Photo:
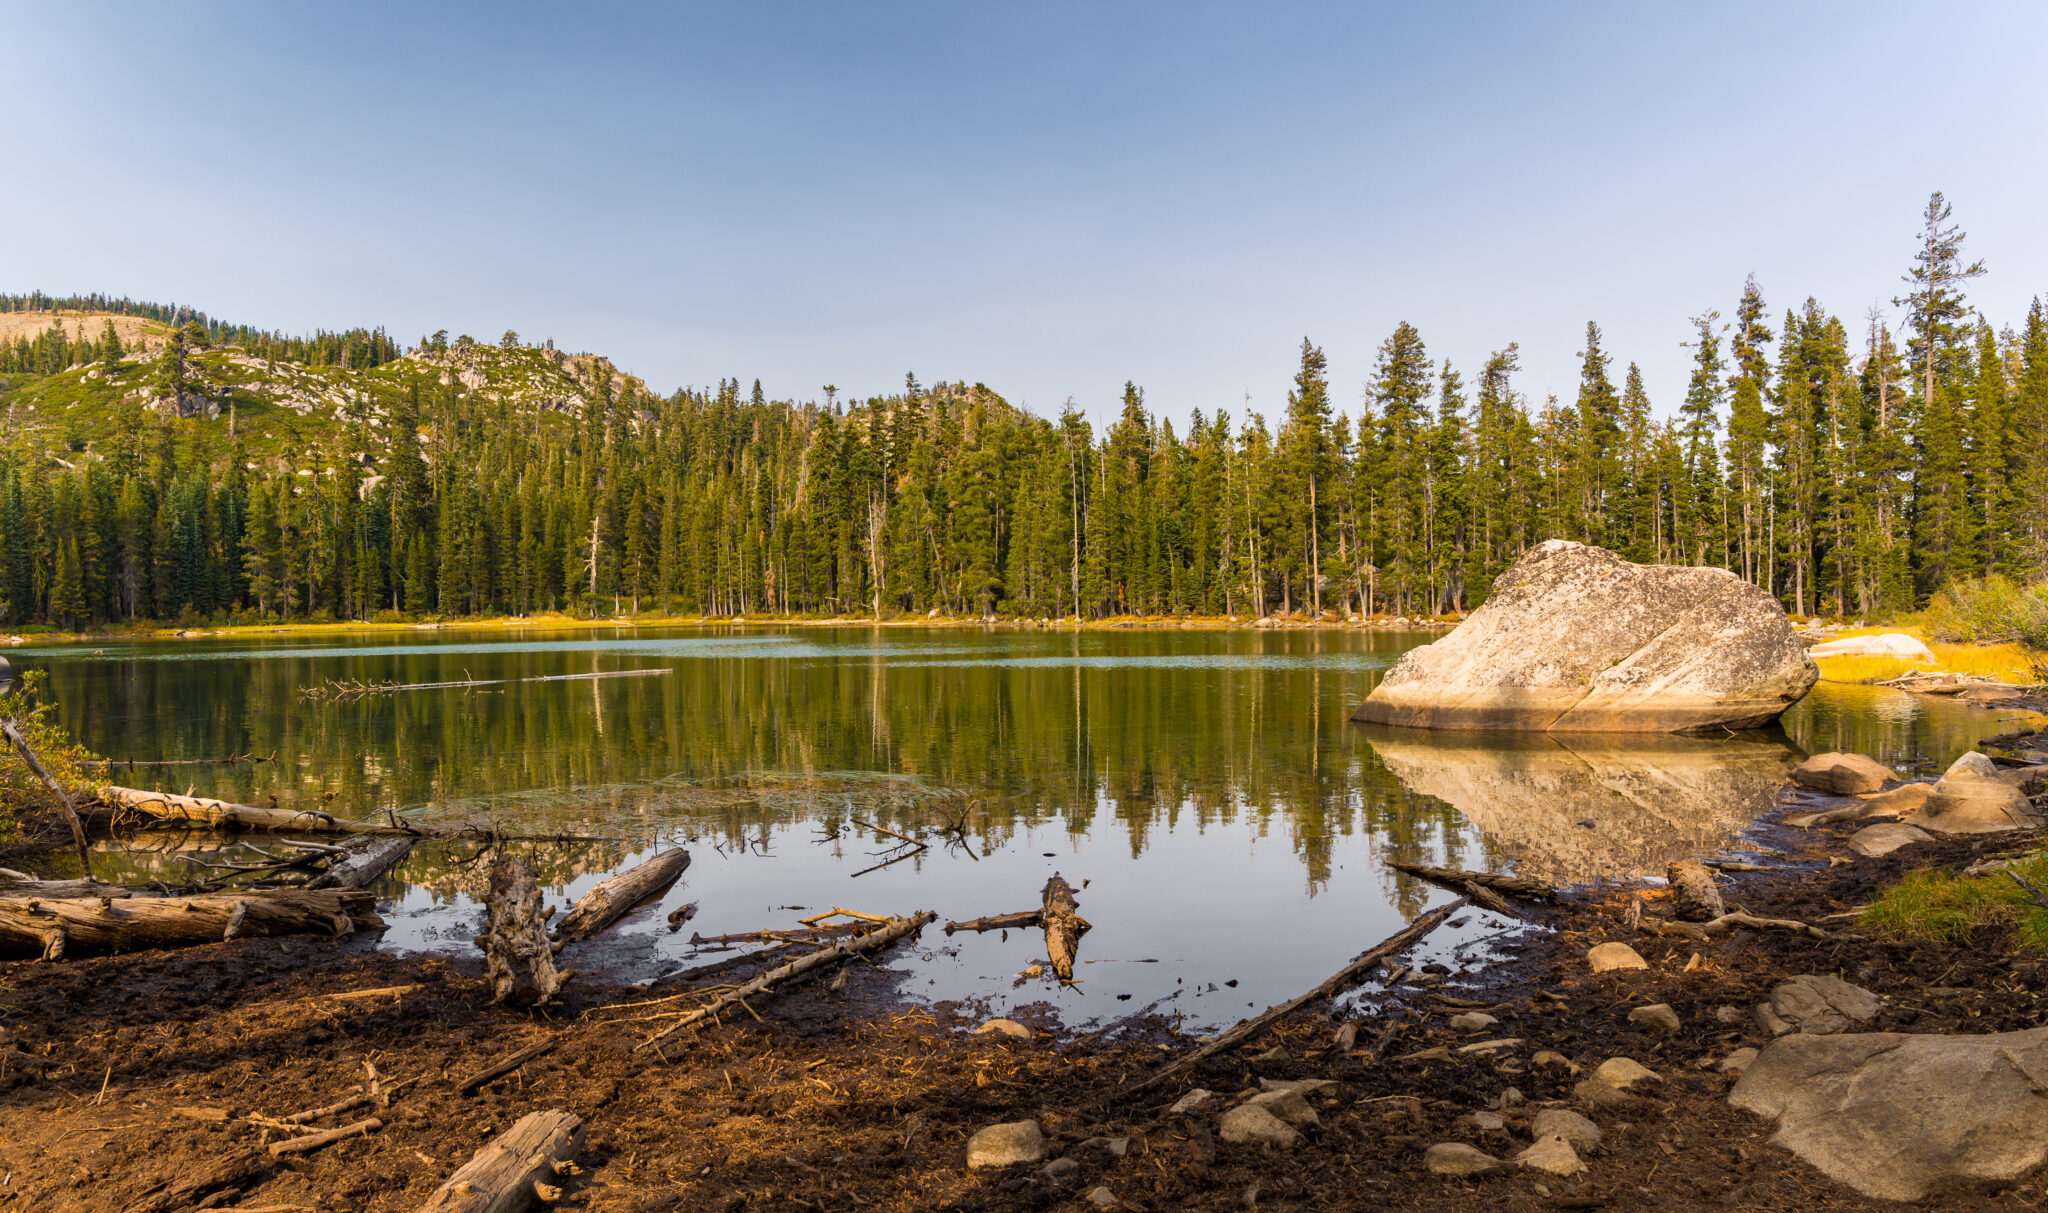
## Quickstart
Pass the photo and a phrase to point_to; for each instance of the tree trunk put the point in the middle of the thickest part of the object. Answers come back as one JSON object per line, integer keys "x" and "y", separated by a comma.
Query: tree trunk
{"x": 602, "y": 905}
{"x": 1063, "y": 925}
{"x": 516, "y": 1170}
{"x": 58, "y": 926}
{"x": 167, "y": 806}
{"x": 518, "y": 958}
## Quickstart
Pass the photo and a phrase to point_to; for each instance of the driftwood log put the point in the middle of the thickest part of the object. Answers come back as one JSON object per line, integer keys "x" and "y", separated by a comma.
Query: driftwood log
{"x": 60, "y": 926}
{"x": 508, "y": 1063}
{"x": 519, "y": 959}
{"x": 869, "y": 941}
{"x": 997, "y": 922}
{"x": 1499, "y": 882}
{"x": 1694, "y": 895}
{"x": 1393, "y": 944}
{"x": 70, "y": 888}
{"x": 221, "y": 814}
{"x": 1064, "y": 926}
{"x": 604, "y": 904}
{"x": 520, "y": 1167}
{"x": 362, "y": 862}
{"x": 1702, "y": 932}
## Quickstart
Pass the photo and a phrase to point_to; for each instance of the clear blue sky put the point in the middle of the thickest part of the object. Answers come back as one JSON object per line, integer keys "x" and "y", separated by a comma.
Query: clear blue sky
{"x": 1050, "y": 199}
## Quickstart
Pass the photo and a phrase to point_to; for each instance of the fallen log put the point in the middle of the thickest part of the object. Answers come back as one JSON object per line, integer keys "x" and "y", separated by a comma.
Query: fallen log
{"x": 1500, "y": 882}
{"x": 1702, "y": 932}
{"x": 784, "y": 935}
{"x": 1397, "y": 942}
{"x": 326, "y": 1137}
{"x": 14, "y": 737}
{"x": 200, "y": 810}
{"x": 204, "y": 1187}
{"x": 71, "y": 888}
{"x": 58, "y": 926}
{"x": 361, "y": 863}
{"x": 519, "y": 959}
{"x": 868, "y": 941}
{"x": 604, "y": 904}
{"x": 997, "y": 922}
{"x": 508, "y": 1063}
{"x": 519, "y": 1167}
{"x": 1694, "y": 895}
{"x": 1063, "y": 925}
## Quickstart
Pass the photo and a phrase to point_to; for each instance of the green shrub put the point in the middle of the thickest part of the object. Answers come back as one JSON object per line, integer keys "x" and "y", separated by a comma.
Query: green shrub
{"x": 1991, "y": 610}
{"x": 23, "y": 797}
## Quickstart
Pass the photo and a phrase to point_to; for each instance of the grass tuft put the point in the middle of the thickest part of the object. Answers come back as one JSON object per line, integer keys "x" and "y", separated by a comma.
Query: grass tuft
{"x": 1945, "y": 906}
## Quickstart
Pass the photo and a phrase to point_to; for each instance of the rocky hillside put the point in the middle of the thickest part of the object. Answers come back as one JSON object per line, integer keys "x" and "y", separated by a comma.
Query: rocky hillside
{"x": 285, "y": 408}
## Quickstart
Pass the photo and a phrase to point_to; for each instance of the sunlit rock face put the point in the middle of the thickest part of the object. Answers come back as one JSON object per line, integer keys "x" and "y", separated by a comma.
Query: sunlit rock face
{"x": 1649, "y": 800}
{"x": 1575, "y": 639}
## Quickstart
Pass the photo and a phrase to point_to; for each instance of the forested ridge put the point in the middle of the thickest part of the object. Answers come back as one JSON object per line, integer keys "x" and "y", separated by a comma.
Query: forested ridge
{"x": 220, "y": 472}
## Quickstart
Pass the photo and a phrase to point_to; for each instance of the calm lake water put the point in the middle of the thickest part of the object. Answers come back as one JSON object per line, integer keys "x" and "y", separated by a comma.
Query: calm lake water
{"x": 1231, "y": 825}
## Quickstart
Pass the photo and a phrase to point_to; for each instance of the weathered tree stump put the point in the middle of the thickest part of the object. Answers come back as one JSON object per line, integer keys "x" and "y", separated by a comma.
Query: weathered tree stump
{"x": 604, "y": 904}
{"x": 1063, "y": 925}
{"x": 519, "y": 958}
{"x": 1694, "y": 895}
{"x": 518, "y": 1169}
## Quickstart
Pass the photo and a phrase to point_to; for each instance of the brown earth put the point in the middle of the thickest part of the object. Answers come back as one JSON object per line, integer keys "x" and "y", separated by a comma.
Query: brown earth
{"x": 121, "y": 1075}
{"x": 134, "y": 331}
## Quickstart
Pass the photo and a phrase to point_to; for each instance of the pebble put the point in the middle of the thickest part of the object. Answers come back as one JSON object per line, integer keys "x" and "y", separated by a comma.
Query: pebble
{"x": 1004, "y": 1027}
{"x": 1117, "y": 1147}
{"x": 1737, "y": 1062}
{"x": 1305, "y": 1086}
{"x": 1486, "y": 1122}
{"x": 1553, "y": 1155}
{"x": 1060, "y": 1168}
{"x": 1729, "y": 1016}
{"x": 1560, "y": 1122}
{"x": 1457, "y": 1158}
{"x": 1003, "y": 1144}
{"x": 1548, "y": 1057}
{"x": 1658, "y": 1016}
{"x": 1609, "y": 957}
{"x": 1473, "y": 1021}
{"x": 1346, "y": 1038}
{"x": 1621, "y": 1073}
{"x": 1103, "y": 1198}
{"x": 1194, "y": 1102}
{"x": 1276, "y": 1053}
{"x": 1491, "y": 1046}
{"x": 1254, "y": 1125}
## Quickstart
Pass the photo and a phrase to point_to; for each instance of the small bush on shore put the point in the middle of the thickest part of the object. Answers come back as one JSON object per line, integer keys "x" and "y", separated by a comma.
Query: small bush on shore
{"x": 1946, "y": 906}
{"x": 1991, "y": 610}
{"x": 23, "y": 797}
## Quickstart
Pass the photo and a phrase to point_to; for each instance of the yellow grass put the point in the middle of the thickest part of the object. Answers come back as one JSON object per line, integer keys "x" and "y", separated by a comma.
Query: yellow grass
{"x": 2005, "y": 662}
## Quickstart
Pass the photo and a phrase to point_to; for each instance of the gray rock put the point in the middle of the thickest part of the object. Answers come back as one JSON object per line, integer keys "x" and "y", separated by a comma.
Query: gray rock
{"x": 1562, "y": 1122}
{"x": 1289, "y": 1106}
{"x": 1737, "y": 1062}
{"x": 1817, "y": 1005}
{"x": 1903, "y": 1117}
{"x": 1901, "y": 801}
{"x": 1115, "y": 1147}
{"x": 1729, "y": 1016}
{"x": 1486, "y": 1122}
{"x": 1103, "y": 1198}
{"x": 1060, "y": 1168}
{"x": 1843, "y": 774}
{"x": 1658, "y": 1017}
{"x": 1551, "y": 1058}
{"x": 1304, "y": 1086}
{"x": 1970, "y": 798}
{"x": 1346, "y": 1038}
{"x": 1251, "y": 1124}
{"x": 1576, "y": 639}
{"x": 1195, "y": 1102}
{"x": 1886, "y": 837}
{"x": 1473, "y": 1021}
{"x": 1276, "y": 1053}
{"x": 1004, "y": 1027}
{"x": 1553, "y": 1155}
{"x": 1004, "y": 1144}
{"x": 1457, "y": 1158}
{"x": 1621, "y": 1073}
{"x": 1609, "y": 957}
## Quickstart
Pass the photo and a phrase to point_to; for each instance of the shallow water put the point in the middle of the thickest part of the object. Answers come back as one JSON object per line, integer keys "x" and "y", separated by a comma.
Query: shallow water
{"x": 1230, "y": 824}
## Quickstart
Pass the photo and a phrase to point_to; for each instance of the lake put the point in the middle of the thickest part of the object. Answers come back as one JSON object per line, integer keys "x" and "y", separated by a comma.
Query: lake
{"x": 1227, "y": 827}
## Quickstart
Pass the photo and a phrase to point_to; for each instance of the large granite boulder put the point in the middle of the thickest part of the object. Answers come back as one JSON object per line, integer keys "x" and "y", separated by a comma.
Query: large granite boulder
{"x": 1905, "y": 1117}
{"x": 1575, "y": 639}
{"x": 1972, "y": 798}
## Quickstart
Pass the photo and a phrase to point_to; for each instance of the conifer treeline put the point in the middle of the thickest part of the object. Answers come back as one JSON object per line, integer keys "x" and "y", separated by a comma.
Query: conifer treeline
{"x": 1853, "y": 473}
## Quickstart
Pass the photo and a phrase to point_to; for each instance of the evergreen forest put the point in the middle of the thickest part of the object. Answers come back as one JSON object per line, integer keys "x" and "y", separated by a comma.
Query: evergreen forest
{"x": 199, "y": 471}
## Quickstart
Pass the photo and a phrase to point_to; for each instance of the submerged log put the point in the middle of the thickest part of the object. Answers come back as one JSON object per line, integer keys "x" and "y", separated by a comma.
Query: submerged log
{"x": 200, "y": 810}
{"x": 58, "y": 926}
{"x": 604, "y": 904}
{"x": 519, "y": 960}
{"x": 880, "y": 937}
{"x": 361, "y": 863}
{"x": 1397, "y": 942}
{"x": 997, "y": 922}
{"x": 71, "y": 888}
{"x": 1457, "y": 878}
{"x": 1063, "y": 925}
{"x": 521, "y": 1166}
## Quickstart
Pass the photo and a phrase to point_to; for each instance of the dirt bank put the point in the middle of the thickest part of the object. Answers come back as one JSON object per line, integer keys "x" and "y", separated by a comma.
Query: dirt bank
{"x": 122, "y": 1075}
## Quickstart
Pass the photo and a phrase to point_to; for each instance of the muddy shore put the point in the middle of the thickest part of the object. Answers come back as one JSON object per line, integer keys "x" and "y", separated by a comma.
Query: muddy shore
{"x": 121, "y": 1077}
